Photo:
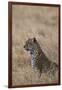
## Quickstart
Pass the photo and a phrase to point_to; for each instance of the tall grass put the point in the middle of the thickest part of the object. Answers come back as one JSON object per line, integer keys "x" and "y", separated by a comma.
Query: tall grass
{"x": 28, "y": 22}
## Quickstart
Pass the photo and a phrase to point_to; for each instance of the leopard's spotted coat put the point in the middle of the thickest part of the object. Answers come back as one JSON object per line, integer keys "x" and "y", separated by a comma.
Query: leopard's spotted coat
{"x": 39, "y": 59}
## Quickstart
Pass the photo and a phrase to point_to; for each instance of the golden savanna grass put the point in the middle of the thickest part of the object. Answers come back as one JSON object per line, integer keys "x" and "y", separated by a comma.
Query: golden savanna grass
{"x": 33, "y": 21}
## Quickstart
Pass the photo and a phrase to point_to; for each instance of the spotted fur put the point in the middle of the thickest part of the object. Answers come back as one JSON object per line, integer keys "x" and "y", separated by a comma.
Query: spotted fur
{"x": 39, "y": 59}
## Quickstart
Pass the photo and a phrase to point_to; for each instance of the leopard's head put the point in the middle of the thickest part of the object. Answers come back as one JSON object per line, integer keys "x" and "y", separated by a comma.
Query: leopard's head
{"x": 30, "y": 45}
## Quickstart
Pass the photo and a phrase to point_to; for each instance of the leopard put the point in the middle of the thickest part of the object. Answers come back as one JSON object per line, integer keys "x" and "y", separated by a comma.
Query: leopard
{"x": 38, "y": 58}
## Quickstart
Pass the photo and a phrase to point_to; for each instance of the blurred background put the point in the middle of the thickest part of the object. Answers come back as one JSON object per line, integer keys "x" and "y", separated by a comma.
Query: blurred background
{"x": 40, "y": 22}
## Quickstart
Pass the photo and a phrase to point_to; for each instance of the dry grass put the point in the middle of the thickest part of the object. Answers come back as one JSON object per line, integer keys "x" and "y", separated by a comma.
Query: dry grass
{"x": 28, "y": 22}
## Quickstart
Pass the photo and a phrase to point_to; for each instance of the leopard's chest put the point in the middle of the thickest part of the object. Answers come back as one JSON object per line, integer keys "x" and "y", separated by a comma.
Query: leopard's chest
{"x": 34, "y": 58}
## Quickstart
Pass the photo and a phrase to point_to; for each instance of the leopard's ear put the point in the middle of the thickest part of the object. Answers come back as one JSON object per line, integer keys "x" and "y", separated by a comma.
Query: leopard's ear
{"x": 34, "y": 39}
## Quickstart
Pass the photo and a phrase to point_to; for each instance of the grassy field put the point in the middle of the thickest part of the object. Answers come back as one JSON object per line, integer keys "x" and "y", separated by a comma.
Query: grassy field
{"x": 28, "y": 22}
